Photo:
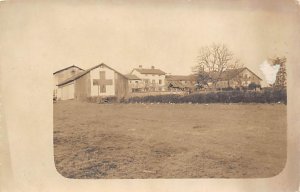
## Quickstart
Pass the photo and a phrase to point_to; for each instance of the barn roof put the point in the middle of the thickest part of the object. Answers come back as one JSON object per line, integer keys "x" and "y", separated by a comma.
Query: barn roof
{"x": 132, "y": 77}
{"x": 82, "y": 73}
{"x": 230, "y": 74}
{"x": 67, "y": 69}
{"x": 150, "y": 71}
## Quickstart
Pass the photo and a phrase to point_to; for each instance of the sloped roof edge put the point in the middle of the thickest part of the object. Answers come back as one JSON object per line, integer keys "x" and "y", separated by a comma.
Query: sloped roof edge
{"x": 132, "y": 77}
{"x": 149, "y": 71}
{"x": 232, "y": 73}
{"x": 67, "y": 68}
{"x": 78, "y": 75}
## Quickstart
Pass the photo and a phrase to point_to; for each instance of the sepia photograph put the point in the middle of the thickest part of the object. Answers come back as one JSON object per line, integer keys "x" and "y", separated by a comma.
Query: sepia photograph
{"x": 147, "y": 95}
{"x": 174, "y": 92}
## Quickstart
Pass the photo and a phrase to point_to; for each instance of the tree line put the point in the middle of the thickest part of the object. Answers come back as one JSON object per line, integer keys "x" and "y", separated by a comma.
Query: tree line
{"x": 217, "y": 58}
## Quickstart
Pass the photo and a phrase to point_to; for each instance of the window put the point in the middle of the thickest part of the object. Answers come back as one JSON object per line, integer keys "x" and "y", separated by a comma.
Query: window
{"x": 153, "y": 80}
{"x": 136, "y": 82}
{"x": 160, "y": 81}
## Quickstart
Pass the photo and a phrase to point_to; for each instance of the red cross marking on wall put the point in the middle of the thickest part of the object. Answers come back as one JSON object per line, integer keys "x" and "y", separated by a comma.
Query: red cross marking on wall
{"x": 102, "y": 82}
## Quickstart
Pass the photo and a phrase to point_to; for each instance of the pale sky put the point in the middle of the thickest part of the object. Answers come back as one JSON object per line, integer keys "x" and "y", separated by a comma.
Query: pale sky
{"x": 166, "y": 34}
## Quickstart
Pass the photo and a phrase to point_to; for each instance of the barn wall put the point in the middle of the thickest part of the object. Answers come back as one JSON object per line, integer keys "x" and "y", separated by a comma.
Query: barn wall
{"x": 222, "y": 84}
{"x": 121, "y": 86}
{"x": 83, "y": 87}
{"x": 243, "y": 79}
{"x": 61, "y": 76}
{"x": 246, "y": 77}
{"x": 234, "y": 83}
{"x": 66, "y": 91}
{"x": 95, "y": 74}
{"x": 251, "y": 77}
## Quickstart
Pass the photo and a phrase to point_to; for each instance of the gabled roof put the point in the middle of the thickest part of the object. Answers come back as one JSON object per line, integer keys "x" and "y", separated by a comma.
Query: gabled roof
{"x": 253, "y": 73}
{"x": 82, "y": 73}
{"x": 181, "y": 77}
{"x": 150, "y": 71}
{"x": 67, "y": 69}
{"x": 230, "y": 74}
{"x": 132, "y": 77}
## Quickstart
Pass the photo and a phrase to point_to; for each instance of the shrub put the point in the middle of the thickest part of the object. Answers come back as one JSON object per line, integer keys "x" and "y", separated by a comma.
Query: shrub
{"x": 253, "y": 86}
{"x": 228, "y": 89}
{"x": 102, "y": 99}
{"x": 235, "y": 96}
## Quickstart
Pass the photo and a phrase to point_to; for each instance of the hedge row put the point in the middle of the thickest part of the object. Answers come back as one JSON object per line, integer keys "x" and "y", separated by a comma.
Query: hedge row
{"x": 266, "y": 96}
{"x": 102, "y": 99}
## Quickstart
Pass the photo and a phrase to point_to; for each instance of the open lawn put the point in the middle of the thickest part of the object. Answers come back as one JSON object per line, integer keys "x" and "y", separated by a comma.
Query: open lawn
{"x": 169, "y": 141}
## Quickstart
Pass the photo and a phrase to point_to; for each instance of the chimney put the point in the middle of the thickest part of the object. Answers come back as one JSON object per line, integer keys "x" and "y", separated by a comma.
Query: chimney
{"x": 140, "y": 66}
{"x": 152, "y": 67}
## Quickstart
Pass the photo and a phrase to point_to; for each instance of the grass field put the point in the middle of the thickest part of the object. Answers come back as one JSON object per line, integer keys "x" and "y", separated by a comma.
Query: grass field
{"x": 169, "y": 141}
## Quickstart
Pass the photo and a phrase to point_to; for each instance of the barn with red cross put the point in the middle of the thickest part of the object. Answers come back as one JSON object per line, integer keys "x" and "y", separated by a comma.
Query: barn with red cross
{"x": 98, "y": 81}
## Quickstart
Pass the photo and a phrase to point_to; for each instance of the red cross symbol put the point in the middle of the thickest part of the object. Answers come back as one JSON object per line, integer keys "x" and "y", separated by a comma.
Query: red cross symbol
{"x": 102, "y": 82}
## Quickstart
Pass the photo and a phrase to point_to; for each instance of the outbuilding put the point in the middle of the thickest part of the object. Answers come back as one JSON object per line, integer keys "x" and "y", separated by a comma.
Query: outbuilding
{"x": 63, "y": 74}
{"x": 98, "y": 81}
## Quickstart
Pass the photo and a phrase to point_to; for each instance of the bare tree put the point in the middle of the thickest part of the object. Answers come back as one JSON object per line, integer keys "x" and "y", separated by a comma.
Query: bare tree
{"x": 215, "y": 59}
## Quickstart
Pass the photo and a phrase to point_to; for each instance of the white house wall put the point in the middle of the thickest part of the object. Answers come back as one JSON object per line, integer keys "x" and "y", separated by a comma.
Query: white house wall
{"x": 109, "y": 74}
{"x": 151, "y": 77}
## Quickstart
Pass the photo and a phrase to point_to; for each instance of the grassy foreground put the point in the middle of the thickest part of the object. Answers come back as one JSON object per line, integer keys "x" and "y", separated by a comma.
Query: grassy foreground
{"x": 169, "y": 140}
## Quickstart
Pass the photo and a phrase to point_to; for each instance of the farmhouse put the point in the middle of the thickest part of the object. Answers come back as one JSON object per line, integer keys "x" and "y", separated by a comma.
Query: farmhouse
{"x": 100, "y": 80}
{"x": 153, "y": 79}
{"x": 181, "y": 82}
{"x": 234, "y": 78}
{"x": 63, "y": 74}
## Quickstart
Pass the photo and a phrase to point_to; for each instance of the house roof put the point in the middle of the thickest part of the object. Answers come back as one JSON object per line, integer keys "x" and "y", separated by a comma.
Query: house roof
{"x": 230, "y": 74}
{"x": 67, "y": 69}
{"x": 150, "y": 71}
{"x": 132, "y": 77}
{"x": 181, "y": 77}
{"x": 82, "y": 73}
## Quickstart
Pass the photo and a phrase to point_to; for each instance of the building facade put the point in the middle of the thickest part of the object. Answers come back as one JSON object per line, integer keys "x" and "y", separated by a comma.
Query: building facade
{"x": 98, "y": 81}
{"x": 153, "y": 79}
{"x": 181, "y": 82}
{"x": 62, "y": 75}
{"x": 235, "y": 78}
{"x": 104, "y": 81}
